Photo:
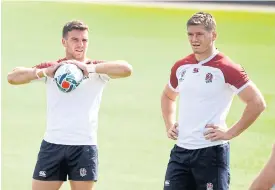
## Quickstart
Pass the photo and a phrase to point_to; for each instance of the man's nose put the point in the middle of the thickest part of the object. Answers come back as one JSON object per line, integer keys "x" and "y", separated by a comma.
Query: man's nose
{"x": 80, "y": 43}
{"x": 194, "y": 38}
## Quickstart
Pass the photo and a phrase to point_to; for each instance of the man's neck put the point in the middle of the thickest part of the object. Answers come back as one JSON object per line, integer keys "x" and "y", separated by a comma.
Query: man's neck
{"x": 206, "y": 54}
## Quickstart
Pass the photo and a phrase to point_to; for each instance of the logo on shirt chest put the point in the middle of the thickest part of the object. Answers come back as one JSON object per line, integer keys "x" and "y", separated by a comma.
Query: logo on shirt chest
{"x": 195, "y": 70}
{"x": 208, "y": 77}
{"x": 182, "y": 75}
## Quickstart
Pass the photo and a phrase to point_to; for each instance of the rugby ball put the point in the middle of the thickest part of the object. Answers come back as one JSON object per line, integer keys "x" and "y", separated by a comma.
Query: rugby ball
{"x": 67, "y": 77}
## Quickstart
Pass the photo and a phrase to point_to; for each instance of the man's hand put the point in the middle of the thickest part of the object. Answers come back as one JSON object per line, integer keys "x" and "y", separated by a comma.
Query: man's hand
{"x": 172, "y": 133}
{"x": 50, "y": 71}
{"x": 81, "y": 65}
{"x": 215, "y": 133}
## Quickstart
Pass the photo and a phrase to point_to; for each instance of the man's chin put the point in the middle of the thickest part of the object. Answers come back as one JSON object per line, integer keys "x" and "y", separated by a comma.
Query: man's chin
{"x": 78, "y": 57}
{"x": 197, "y": 51}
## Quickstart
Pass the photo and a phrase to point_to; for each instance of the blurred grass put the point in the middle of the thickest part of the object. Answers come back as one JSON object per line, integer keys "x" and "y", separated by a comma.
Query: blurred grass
{"x": 133, "y": 146}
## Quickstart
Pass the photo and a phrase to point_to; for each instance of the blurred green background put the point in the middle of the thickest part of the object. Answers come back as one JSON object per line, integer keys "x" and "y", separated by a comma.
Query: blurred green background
{"x": 133, "y": 147}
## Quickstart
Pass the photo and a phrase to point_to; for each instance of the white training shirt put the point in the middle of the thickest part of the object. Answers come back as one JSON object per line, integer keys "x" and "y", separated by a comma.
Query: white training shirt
{"x": 72, "y": 118}
{"x": 206, "y": 90}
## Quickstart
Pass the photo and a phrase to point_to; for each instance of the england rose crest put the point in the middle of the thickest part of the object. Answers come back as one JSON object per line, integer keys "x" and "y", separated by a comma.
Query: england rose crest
{"x": 209, "y": 77}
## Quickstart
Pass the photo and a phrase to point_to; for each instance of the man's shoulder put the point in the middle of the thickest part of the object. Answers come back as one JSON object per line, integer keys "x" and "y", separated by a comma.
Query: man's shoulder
{"x": 223, "y": 60}
{"x": 87, "y": 61}
{"x": 189, "y": 59}
{"x": 230, "y": 69}
{"x": 45, "y": 64}
{"x": 60, "y": 60}
{"x": 94, "y": 61}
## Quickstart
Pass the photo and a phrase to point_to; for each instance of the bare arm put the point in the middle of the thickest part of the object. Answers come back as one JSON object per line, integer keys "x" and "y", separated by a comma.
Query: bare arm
{"x": 114, "y": 69}
{"x": 22, "y": 75}
{"x": 255, "y": 105}
{"x": 168, "y": 107}
{"x": 266, "y": 178}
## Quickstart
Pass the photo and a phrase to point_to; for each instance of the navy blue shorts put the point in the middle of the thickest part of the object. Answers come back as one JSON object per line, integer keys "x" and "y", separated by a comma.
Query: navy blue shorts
{"x": 200, "y": 169}
{"x": 57, "y": 162}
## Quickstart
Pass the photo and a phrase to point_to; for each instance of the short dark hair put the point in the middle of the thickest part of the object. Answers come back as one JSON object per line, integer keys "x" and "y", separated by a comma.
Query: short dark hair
{"x": 74, "y": 25}
{"x": 202, "y": 18}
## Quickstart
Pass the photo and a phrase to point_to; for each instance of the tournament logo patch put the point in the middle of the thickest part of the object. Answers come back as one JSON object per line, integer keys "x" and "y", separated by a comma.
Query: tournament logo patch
{"x": 195, "y": 70}
{"x": 209, "y": 77}
{"x": 182, "y": 74}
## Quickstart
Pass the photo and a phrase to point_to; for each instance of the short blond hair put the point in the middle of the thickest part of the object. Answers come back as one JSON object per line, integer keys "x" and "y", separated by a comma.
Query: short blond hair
{"x": 203, "y": 18}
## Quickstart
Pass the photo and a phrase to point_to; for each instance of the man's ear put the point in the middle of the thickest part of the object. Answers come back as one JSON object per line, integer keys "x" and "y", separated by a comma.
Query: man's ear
{"x": 214, "y": 35}
{"x": 64, "y": 42}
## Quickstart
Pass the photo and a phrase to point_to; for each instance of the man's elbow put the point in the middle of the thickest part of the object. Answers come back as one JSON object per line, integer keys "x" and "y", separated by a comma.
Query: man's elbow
{"x": 14, "y": 79}
{"x": 11, "y": 79}
{"x": 127, "y": 70}
{"x": 261, "y": 105}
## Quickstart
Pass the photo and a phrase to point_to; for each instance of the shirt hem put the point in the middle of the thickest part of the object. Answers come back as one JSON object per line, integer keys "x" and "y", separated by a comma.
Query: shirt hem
{"x": 194, "y": 147}
{"x": 69, "y": 143}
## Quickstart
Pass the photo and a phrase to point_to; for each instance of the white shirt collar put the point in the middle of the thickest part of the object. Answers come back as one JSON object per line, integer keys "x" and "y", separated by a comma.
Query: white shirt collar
{"x": 209, "y": 58}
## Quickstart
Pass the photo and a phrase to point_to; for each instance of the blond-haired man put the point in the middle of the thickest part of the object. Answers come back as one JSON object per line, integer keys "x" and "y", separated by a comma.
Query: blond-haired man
{"x": 206, "y": 82}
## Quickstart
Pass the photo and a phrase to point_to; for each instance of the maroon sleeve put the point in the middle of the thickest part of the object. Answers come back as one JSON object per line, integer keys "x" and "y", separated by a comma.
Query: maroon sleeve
{"x": 173, "y": 82}
{"x": 235, "y": 75}
{"x": 48, "y": 63}
{"x": 94, "y": 61}
{"x": 173, "y": 77}
{"x": 44, "y": 65}
{"x": 98, "y": 61}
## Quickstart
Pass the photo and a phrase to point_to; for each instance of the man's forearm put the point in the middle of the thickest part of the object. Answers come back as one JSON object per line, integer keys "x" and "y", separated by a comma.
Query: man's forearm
{"x": 168, "y": 108}
{"x": 266, "y": 178}
{"x": 23, "y": 75}
{"x": 250, "y": 114}
{"x": 113, "y": 69}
